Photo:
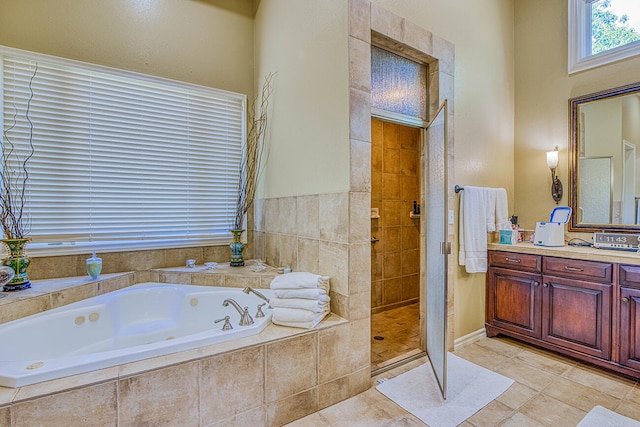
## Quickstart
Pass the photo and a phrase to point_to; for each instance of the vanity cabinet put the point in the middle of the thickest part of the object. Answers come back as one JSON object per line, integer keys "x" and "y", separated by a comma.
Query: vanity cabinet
{"x": 588, "y": 310}
{"x": 514, "y": 293}
{"x": 576, "y": 305}
{"x": 560, "y": 301}
{"x": 629, "y": 277}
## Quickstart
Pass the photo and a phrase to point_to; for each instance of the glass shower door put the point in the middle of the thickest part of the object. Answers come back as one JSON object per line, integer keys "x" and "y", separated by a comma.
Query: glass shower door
{"x": 436, "y": 245}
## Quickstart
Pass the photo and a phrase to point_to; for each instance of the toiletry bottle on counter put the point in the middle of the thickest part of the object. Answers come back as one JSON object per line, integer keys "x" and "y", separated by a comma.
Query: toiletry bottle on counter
{"x": 94, "y": 266}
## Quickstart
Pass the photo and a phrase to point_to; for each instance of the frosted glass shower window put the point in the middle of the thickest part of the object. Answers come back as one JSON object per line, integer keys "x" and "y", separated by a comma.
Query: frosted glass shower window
{"x": 398, "y": 84}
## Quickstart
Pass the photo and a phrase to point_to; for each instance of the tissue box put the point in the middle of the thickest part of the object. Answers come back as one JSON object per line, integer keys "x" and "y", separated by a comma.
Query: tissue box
{"x": 509, "y": 237}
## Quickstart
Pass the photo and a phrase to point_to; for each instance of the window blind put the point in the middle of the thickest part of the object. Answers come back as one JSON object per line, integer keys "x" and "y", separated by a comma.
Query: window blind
{"x": 120, "y": 156}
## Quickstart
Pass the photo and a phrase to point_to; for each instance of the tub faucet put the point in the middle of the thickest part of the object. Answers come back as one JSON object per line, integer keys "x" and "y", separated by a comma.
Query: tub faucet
{"x": 245, "y": 317}
{"x": 258, "y": 294}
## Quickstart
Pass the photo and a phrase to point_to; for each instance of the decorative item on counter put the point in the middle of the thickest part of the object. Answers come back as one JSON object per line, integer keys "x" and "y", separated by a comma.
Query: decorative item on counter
{"x": 210, "y": 265}
{"x": 250, "y": 166}
{"x": 287, "y": 270}
{"x": 6, "y": 274}
{"x": 19, "y": 262}
{"x": 258, "y": 266}
{"x": 94, "y": 266}
{"x": 236, "y": 247}
{"x": 14, "y": 218}
{"x": 191, "y": 263}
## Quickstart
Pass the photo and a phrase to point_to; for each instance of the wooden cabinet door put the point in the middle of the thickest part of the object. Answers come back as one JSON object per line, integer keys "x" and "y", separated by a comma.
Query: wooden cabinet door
{"x": 513, "y": 301}
{"x": 630, "y": 327}
{"x": 577, "y": 315}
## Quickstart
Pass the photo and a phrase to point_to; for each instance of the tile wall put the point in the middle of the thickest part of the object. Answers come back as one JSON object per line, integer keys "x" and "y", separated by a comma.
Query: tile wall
{"x": 52, "y": 267}
{"x": 395, "y": 185}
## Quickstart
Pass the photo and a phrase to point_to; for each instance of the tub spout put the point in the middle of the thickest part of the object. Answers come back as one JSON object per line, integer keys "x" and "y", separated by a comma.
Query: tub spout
{"x": 258, "y": 294}
{"x": 245, "y": 317}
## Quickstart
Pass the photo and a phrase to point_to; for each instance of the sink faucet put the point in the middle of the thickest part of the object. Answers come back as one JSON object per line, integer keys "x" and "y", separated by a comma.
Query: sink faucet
{"x": 258, "y": 294}
{"x": 245, "y": 317}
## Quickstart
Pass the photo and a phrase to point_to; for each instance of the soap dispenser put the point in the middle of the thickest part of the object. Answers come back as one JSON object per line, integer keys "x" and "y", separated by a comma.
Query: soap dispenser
{"x": 94, "y": 266}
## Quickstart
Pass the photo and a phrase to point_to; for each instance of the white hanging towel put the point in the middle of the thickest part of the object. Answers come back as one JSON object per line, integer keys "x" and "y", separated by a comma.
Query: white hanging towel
{"x": 500, "y": 208}
{"x": 482, "y": 210}
{"x": 472, "y": 233}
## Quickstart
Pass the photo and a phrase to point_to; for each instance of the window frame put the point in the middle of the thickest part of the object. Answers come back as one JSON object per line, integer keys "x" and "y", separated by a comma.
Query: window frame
{"x": 40, "y": 249}
{"x": 579, "y": 41}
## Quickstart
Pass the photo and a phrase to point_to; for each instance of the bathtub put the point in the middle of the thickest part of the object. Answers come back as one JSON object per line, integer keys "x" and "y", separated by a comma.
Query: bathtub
{"x": 131, "y": 324}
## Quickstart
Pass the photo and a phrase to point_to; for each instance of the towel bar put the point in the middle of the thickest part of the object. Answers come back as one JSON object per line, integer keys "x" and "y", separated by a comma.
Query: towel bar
{"x": 458, "y": 189}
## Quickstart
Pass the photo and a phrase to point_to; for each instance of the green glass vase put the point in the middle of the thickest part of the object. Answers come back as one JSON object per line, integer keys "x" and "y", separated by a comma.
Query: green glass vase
{"x": 19, "y": 262}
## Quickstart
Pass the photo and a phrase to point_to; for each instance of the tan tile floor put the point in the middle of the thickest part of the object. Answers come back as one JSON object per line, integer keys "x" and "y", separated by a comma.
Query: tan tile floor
{"x": 400, "y": 328}
{"x": 550, "y": 390}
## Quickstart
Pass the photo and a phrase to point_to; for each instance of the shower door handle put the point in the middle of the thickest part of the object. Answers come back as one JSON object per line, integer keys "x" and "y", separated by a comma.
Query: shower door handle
{"x": 445, "y": 248}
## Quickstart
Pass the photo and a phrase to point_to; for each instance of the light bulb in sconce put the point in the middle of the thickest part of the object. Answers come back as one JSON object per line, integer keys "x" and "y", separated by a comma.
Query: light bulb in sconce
{"x": 552, "y": 158}
{"x": 556, "y": 185}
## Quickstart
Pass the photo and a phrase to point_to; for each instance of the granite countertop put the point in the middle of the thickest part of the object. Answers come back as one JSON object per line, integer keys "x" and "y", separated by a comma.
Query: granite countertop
{"x": 575, "y": 252}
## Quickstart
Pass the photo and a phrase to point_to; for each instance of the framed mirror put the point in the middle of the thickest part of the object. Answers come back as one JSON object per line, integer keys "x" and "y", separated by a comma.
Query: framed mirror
{"x": 604, "y": 166}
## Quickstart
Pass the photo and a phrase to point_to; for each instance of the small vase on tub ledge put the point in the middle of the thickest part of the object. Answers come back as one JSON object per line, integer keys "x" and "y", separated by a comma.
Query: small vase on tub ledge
{"x": 237, "y": 247}
{"x": 14, "y": 214}
{"x": 94, "y": 266}
{"x": 18, "y": 262}
{"x": 250, "y": 167}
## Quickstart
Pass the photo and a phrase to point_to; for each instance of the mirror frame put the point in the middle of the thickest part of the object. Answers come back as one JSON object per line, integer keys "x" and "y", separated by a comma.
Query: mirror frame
{"x": 574, "y": 158}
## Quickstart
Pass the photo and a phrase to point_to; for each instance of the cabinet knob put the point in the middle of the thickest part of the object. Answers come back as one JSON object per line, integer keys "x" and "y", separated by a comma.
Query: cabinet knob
{"x": 625, "y": 299}
{"x": 545, "y": 285}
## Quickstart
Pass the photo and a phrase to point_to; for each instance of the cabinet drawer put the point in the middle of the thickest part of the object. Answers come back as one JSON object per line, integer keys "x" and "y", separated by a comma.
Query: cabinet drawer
{"x": 578, "y": 269}
{"x": 629, "y": 275}
{"x": 517, "y": 261}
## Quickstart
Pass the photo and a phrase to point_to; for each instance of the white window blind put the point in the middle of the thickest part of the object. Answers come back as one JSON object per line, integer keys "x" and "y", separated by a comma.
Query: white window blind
{"x": 121, "y": 157}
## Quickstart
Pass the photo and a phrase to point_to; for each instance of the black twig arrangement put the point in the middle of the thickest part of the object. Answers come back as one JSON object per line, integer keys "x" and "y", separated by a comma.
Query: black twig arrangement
{"x": 252, "y": 160}
{"x": 14, "y": 175}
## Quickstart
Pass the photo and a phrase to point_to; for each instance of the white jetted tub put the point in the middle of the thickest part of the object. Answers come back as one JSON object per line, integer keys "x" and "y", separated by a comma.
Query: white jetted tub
{"x": 134, "y": 323}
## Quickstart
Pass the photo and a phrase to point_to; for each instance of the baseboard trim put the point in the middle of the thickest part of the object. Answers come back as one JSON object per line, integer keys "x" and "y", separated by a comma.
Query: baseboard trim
{"x": 469, "y": 338}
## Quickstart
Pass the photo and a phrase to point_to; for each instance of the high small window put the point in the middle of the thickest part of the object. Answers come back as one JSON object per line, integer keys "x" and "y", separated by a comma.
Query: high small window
{"x": 398, "y": 86}
{"x": 602, "y": 31}
{"x": 121, "y": 160}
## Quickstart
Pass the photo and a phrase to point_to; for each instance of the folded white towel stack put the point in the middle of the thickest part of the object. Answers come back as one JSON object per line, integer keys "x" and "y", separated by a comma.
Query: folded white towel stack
{"x": 301, "y": 299}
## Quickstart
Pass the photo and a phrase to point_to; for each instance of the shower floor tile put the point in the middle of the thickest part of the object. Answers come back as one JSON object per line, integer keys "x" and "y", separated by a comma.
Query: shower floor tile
{"x": 399, "y": 328}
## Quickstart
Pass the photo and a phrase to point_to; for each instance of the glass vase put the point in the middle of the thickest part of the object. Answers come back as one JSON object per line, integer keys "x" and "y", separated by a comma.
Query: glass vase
{"x": 19, "y": 262}
{"x": 236, "y": 249}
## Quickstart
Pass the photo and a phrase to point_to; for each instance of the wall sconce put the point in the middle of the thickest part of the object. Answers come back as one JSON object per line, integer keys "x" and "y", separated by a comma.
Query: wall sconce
{"x": 556, "y": 185}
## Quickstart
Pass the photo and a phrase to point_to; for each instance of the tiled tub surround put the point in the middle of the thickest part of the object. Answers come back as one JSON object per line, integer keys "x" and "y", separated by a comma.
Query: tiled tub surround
{"x": 127, "y": 325}
{"x": 272, "y": 378}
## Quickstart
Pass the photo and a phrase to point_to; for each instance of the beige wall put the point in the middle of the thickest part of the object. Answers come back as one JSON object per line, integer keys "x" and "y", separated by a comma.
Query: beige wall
{"x": 543, "y": 88}
{"x": 204, "y": 42}
{"x": 305, "y": 43}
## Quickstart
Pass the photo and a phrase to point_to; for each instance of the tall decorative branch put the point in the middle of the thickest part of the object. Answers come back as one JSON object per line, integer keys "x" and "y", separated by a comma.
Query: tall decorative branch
{"x": 252, "y": 159}
{"x": 13, "y": 217}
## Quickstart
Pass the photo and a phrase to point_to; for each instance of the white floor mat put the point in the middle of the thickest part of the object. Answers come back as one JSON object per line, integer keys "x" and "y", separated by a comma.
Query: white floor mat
{"x": 469, "y": 388}
{"x": 603, "y": 417}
